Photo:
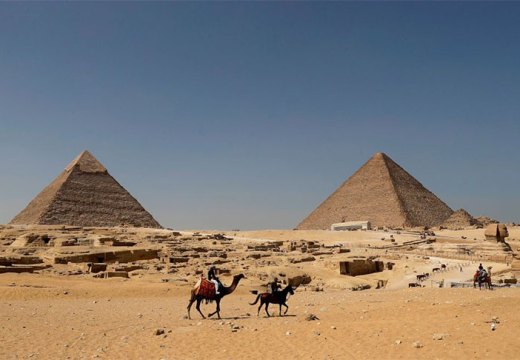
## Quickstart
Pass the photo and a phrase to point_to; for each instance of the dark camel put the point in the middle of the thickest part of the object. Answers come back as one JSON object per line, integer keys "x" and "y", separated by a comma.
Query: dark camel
{"x": 223, "y": 291}
{"x": 280, "y": 298}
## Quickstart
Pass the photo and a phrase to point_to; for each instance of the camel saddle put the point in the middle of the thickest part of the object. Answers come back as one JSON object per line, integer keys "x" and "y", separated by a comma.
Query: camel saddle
{"x": 206, "y": 289}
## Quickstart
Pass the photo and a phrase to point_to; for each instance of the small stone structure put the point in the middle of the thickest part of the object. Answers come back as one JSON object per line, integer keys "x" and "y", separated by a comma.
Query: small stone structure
{"x": 360, "y": 267}
{"x": 515, "y": 267}
{"x": 96, "y": 267}
{"x": 351, "y": 225}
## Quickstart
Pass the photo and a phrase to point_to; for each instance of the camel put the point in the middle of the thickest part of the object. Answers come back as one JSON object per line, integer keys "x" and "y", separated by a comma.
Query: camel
{"x": 280, "y": 298}
{"x": 223, "y": 291}
{"x": 480, "y": 281}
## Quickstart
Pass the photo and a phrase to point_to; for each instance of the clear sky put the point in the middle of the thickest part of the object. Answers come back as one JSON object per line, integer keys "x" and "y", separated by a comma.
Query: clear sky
{"x": 248, "y": 115}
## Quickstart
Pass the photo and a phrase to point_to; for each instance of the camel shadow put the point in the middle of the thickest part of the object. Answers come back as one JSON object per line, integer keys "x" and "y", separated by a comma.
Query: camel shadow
{"x": 231, "y": 318}
{"x": 277, "y": 316}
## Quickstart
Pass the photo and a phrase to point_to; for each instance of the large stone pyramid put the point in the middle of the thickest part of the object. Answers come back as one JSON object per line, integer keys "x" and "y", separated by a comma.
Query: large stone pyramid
{"x": 383, "y": 193}
{"x": 85, "y": 194}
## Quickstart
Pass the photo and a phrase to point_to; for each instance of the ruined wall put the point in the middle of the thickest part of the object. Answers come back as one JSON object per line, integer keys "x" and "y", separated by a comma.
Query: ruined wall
{"x": 360, "y": 267}
{"x": 109, "y": 256}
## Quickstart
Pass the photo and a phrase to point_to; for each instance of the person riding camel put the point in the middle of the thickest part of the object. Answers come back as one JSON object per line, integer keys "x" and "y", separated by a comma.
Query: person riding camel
{"x": 482, "y": 274}
{"x": 212, "y": 276}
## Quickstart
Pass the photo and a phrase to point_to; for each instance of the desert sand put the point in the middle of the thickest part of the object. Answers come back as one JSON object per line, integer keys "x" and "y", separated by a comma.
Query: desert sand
{"x": 63, "y": 312}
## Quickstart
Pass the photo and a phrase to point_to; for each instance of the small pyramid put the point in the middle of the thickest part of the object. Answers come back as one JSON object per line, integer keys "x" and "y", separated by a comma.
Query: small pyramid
{"x": 460, "y": 219}
{"x": 383, "y": 193}
{"x": 85, "y": 194}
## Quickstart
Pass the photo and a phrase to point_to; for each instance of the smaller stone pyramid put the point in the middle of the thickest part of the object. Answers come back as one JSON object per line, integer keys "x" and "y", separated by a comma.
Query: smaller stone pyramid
{"x": 460, "y": 219}
{"x": 85, "y": 194}
{"x": 382, "y": 193}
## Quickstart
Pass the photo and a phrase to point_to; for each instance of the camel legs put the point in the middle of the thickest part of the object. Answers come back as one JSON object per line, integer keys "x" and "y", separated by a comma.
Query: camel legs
{"x": 192, "y": 300}
{"x": 217, "y": 311}
{"x": 198, "y": 308}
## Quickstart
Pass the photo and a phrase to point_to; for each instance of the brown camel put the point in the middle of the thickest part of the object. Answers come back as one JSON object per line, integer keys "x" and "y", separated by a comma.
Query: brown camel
{"x": 478, "y": 280}
{"x": 223, "y": 291}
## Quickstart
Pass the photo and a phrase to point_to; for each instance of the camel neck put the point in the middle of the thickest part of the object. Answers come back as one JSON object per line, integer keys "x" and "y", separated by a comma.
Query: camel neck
{"x": 232, "y": 287}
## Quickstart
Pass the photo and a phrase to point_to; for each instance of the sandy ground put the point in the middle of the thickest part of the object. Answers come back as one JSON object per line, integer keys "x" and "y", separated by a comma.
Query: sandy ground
{"x": 63, "y": 318}
{"x": 47, "y": 316}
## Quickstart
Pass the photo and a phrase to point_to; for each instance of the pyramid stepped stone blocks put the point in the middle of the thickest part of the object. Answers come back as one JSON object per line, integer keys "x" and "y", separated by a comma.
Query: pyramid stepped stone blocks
{"x": 383, "y": 193}
{"x": 85, "y": 194}
{"x": 460, "y": 219}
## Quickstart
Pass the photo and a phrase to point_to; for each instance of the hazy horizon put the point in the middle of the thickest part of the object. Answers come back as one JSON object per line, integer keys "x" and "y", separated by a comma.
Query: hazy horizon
{"x": 248, "y": 115}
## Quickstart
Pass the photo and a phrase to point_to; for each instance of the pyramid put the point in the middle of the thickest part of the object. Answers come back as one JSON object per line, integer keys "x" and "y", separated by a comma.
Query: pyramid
{"x": 383, "y": 193}
{"x": 460, "y": 219}
{"x": 85, "y": 194}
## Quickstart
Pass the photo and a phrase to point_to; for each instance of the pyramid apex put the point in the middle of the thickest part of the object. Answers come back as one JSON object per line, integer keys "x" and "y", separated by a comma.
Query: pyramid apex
{"x": 86, "y": 162}
{"x": 379, "y": 155}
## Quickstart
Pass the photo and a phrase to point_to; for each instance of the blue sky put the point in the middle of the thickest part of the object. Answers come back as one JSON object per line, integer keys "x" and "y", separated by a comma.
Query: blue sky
{"x": 248, "y": 115}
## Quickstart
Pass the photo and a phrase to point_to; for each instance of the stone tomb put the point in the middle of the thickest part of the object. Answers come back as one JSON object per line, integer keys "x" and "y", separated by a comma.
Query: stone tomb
{"x": 360, "y": 267}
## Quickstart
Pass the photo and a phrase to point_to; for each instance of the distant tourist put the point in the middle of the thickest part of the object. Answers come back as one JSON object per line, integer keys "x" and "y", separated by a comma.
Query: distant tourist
{"x": 212, "y": 276}
{"x": 482, "y": 273}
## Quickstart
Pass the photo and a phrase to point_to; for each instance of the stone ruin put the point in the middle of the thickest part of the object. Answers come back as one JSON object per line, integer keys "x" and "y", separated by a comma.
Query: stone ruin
{"x": 360, "y": 267}
{"x": 105, "y": 252}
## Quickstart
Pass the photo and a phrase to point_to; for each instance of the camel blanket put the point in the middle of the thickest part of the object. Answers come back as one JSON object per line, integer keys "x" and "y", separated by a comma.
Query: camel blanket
{"x": 206, "y": 289}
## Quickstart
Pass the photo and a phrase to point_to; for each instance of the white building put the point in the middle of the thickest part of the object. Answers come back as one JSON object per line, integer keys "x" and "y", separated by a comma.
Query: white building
{"x": 350, "y": 225}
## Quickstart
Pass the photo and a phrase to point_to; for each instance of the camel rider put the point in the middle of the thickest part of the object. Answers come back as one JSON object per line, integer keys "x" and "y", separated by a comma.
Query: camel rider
{"x": 274, "y": 286}
{"x": 212, "y": 276}
{"x": 482, "y": 274}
